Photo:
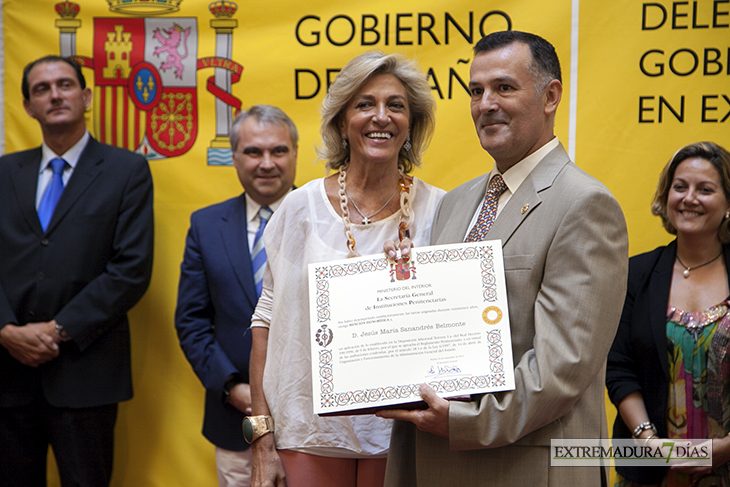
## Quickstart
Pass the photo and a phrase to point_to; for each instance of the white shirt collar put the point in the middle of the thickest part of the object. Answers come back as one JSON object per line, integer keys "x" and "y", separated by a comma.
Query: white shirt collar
{"x": 252, "y": 207}
{"x": 71, "y": 156}
{"x": 517, "y": 174}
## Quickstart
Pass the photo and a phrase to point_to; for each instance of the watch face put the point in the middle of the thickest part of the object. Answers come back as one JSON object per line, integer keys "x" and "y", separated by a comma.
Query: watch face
{"x": 247, "y": 430}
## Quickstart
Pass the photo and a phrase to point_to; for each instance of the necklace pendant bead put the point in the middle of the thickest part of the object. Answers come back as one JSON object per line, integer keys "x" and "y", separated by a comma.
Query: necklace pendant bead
{"x": 366, "y": 221}
{"x": 685, "y": 273}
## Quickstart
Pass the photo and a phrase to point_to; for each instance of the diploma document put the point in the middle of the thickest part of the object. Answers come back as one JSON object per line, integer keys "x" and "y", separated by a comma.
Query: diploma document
{"x": 379, "y": 329}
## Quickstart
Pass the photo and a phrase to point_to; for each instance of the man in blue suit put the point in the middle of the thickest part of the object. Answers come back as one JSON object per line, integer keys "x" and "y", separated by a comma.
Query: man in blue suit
{"x": 76, "y": 240}
{"x": 220, "y": 280}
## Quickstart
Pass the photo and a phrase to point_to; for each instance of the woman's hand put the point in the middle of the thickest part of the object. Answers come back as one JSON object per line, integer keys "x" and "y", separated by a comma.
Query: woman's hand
{"x": 720, "y": 456}
{"x": 267, "y": 470}
{"x": 391, "y": 248}
{"x": 720, "y": 452}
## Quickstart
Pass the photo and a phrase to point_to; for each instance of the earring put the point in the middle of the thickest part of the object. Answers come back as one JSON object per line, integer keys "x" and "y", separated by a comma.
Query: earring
{"x": 344, "y": 142}
{"x": 727, "y": 215}
{"x": 407, "y": 146}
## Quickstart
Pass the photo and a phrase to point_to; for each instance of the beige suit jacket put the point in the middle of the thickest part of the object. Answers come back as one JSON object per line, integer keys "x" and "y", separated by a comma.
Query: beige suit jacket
{"x": 566, "y": 258}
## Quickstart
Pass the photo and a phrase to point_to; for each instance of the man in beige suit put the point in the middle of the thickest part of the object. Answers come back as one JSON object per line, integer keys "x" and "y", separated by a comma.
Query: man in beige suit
{"x": 565, "y": 256}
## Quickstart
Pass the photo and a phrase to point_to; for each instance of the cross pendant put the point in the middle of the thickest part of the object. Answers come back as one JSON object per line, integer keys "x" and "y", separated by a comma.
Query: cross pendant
{"x": 366, "y": 221}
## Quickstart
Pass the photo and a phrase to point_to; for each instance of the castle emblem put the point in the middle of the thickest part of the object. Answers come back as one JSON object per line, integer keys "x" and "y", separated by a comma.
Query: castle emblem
{"x": 145, "y": 74}
{"x": 146, "y": 91}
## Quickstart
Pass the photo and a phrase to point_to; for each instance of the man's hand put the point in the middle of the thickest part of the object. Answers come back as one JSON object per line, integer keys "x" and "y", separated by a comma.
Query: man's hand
{"x": 434, "y": 420}
{"x": 391, "y": 248}
{"x": 267, "y": 471}
{"x": 33, "y": 344}
{"x": 240, "y": 398}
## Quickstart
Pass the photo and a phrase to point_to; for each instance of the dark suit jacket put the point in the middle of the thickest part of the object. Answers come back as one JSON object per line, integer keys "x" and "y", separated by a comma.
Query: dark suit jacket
{"x": 87, "y": 270}
{"x": 216, "y": 299}
{"x": 638, "y": 358}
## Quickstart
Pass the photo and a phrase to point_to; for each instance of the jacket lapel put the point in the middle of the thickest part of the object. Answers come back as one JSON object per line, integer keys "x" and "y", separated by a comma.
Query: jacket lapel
{"x": 726, "y": 248}
{"x": 25, "y": 181}
{"x": 87, "y": 170}
{"x": 234, "y": 234}
{"x": 455, "y": 229}
{"x": 659, "y": 287}
{"x": 527, "y": 197}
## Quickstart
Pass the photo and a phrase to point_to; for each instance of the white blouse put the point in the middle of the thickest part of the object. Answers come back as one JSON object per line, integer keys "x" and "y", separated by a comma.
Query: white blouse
{"x": 307, "y": 229}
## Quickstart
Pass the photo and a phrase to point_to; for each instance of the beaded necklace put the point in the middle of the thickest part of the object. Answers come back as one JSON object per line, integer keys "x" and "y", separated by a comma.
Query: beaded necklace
{"x": 406, "y": 213}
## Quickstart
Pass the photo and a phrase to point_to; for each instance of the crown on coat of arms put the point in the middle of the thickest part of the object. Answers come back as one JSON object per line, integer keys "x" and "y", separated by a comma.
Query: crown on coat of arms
{"x": 67, "y": 10}
{"x": 222, "y": 8}
{"x": 144, "y": 7}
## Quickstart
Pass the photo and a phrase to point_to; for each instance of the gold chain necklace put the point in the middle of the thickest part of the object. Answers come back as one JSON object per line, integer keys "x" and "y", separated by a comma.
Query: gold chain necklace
{"x": 406, "y": 214}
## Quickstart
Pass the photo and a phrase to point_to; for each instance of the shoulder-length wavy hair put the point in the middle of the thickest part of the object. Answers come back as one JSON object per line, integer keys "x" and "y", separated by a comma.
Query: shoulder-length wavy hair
{"x": 351, "y": 79}
{"x": 712, "y": 153}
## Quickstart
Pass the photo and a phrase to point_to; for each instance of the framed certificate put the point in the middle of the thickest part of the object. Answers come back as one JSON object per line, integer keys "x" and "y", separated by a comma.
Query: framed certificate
{"x": 379, "y": 329}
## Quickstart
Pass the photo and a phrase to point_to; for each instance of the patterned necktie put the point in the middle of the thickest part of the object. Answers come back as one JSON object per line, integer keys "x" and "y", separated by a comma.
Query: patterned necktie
{"x": 52, "y": 194}
{"x": 258, "y": 254}
{"x": 489, "y": 210}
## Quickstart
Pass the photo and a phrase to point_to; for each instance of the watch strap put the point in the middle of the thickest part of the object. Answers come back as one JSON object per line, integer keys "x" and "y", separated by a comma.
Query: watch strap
{"x": 231, "y": 382}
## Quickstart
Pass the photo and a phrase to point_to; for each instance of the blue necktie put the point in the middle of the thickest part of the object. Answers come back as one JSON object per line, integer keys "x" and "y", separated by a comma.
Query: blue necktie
{"x": 52, "y": 194}
{"x": 258, "y": 255}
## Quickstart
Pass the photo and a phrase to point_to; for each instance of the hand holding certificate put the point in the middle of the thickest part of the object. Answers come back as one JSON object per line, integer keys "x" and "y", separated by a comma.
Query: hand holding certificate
{"x": 379, "y": 330}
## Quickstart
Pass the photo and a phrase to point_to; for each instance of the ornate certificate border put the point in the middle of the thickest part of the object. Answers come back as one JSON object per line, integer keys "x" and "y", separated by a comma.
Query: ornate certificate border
{"x": 405, "y": 392}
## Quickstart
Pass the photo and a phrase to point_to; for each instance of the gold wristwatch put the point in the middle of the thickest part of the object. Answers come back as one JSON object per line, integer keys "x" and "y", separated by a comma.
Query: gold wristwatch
{"x": 254, "y": 427}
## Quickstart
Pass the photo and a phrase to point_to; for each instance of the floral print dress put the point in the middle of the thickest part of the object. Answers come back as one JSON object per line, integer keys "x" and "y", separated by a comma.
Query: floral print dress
{"x": 698, "y": 404}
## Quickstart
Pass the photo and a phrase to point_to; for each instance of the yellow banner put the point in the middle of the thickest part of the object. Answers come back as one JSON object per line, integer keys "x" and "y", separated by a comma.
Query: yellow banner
{"x": 653, "y": 76}
{"x": 649, "y": 77}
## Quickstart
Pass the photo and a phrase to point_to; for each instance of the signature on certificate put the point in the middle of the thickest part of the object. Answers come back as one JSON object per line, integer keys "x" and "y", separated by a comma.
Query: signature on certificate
{"x": 441, "y": 370}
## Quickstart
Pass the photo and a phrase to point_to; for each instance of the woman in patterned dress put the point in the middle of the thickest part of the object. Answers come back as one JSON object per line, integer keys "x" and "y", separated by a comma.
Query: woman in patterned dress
{"x": 669, "y": 369}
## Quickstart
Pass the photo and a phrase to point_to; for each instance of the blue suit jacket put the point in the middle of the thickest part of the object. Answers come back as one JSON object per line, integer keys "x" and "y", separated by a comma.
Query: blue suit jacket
{"x": 216, "y": 299}
{"x": 86, "y": 270}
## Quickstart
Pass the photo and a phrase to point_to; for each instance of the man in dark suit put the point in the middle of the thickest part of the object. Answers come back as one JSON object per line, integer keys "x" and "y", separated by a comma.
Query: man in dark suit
{"x": 220, "y": 280}
{"x": 69, "y": 272}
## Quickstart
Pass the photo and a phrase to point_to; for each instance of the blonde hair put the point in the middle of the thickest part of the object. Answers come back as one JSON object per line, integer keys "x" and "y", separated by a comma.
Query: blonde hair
{"x": 351, "y": 79}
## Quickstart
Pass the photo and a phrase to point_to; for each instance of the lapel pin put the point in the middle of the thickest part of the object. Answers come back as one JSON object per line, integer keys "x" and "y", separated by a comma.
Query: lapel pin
{"x": 525, "y": 208}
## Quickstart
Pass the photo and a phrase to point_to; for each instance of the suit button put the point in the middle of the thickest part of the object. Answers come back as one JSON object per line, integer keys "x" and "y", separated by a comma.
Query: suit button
{"x": 40, "y": 276}
{"x": 44, "y": 241}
